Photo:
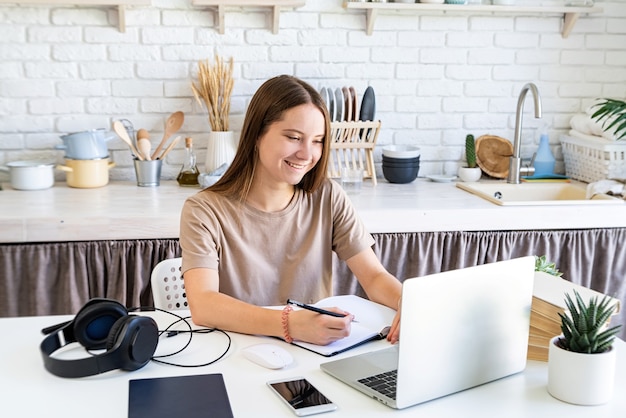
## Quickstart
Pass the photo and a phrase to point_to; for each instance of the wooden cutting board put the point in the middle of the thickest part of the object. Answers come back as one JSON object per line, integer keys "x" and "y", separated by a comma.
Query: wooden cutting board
{"x": 492, "y": 155}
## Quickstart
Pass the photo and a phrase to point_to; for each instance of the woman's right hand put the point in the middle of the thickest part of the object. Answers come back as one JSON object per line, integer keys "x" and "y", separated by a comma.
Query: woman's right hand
{"x": 320, "y": 329}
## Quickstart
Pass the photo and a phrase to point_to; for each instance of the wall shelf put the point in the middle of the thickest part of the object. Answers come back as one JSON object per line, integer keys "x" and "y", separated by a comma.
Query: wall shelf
{"x": 119, "y": 4}
{"x": 274, "y": 5}
{"x": 570, "y": 13}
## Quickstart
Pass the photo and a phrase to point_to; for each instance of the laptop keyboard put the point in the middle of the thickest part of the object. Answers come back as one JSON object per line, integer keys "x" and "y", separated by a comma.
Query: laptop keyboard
{"x": 384, "y": 383}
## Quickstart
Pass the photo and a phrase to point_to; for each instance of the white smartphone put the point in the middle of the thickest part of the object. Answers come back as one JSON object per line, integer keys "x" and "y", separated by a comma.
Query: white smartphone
{"x": 301, "y": 396}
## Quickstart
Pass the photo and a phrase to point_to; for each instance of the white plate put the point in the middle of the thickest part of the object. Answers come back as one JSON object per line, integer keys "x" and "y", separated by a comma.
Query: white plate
{"x": 349, "y": 113}
{"x": 331, "y": 104}
{"x": 339, "y": 105}
{"x": 355, "y": 104}
{"x": 325, "y": 98}
{"x": 440, "y": 178}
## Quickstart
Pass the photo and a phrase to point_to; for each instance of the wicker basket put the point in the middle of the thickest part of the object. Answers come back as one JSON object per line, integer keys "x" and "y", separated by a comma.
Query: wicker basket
{"x": 592, "y": 160}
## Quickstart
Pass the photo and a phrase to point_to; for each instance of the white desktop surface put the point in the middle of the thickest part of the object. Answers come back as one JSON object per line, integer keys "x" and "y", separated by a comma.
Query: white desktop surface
{"x": 28, "y": 390}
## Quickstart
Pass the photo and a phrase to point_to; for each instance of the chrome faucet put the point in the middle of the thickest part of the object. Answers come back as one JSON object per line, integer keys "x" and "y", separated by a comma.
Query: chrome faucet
{"x": 515, "y": 162}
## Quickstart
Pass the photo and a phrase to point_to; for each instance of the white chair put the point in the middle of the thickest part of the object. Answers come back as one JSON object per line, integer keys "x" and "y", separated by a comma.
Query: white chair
{"x": 168, "y": 288}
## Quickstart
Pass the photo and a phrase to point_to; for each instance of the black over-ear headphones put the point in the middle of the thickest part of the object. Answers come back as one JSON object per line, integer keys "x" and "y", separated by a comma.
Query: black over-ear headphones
{"x": 129, "y": 340}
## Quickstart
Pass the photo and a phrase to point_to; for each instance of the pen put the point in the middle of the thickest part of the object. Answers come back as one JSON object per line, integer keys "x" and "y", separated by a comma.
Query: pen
{"x": 314, "y": 308}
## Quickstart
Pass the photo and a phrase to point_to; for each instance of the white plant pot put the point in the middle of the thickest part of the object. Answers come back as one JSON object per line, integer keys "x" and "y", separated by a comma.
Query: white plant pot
{"x": 220, "y": 149}
{"x": 469, "y": 175}
{"x": 581, "y": 379}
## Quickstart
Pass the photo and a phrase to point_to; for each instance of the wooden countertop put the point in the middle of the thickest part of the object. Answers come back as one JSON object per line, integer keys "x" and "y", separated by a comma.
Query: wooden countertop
{"x": 121, "y": 210}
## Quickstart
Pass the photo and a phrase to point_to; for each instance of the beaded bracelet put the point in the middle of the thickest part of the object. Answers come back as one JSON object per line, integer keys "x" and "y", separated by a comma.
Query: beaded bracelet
{"x": 285, "y": 322}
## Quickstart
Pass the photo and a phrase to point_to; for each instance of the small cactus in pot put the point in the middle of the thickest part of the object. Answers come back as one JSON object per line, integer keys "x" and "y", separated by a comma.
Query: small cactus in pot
{"x": 470, "y": 151}
{"x": 471, "y": 172}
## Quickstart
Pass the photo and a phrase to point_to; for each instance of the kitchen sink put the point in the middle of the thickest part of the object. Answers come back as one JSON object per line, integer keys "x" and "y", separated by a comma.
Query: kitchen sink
{"x": 536, "y": 194}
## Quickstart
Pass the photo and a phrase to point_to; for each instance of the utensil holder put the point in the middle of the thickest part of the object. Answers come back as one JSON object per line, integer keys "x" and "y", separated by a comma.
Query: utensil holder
{"x": 148, "y": 172}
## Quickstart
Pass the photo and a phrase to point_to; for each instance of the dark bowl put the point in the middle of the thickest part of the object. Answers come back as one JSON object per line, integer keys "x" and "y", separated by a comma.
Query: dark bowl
{"x": 401, "y": 165}
{"x": 401, "y": 160}
{"x": 400, "y": 175}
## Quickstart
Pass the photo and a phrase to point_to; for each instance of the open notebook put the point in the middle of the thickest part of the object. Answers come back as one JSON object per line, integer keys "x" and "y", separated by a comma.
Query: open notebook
{"x": 371, "y": 318}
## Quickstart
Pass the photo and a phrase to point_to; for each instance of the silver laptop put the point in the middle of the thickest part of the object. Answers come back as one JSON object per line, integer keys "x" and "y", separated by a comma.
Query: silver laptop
{"x": 459, "y": 329}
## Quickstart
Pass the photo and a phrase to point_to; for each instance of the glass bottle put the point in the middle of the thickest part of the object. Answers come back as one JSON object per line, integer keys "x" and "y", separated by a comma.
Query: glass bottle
{"x": 189, "y": 172}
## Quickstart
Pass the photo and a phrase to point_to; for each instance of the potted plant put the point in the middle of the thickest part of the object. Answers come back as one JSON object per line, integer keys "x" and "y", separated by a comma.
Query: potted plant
{"x": 614, "y": 111}
{"x": 471, "y": 172}
{"x": 581, "y": 361}
{"x": 545, "y": 266}
{"x": 213, "y": 91}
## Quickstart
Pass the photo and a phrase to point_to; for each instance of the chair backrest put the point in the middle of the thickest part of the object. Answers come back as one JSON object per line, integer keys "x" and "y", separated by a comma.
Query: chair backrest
{"x": 168, "y": 288}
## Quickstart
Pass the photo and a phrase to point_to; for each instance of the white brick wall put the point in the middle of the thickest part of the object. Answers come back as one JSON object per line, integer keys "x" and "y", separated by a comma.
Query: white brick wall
{"x": 437, "y": 76}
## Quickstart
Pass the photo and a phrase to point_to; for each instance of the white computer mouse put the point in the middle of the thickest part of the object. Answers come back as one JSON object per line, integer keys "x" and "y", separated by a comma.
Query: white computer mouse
{"x": 268, "y": 355}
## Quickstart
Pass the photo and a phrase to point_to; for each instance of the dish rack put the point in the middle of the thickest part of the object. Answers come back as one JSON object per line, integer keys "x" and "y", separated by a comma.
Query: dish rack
{"x": 352, "y": 146}
{"x": 591, "y": 160}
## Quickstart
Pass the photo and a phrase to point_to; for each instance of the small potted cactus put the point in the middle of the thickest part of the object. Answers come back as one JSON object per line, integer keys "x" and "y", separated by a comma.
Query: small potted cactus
{"x": 581, "y": 361}
{"x": 471, "y": 172}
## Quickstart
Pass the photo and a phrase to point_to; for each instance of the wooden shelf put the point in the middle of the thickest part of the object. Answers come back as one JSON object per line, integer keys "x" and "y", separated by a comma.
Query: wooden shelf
{"x": 570, "y": 13}
{"x": 119, "y": 4}
{"x": 274, "y": 5}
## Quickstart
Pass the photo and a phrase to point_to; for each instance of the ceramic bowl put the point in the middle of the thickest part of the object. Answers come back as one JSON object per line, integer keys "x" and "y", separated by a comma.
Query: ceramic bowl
{"x": 400, "y": 174}
{"x": 400, "y": 161}
{"x": 401, "y": 151}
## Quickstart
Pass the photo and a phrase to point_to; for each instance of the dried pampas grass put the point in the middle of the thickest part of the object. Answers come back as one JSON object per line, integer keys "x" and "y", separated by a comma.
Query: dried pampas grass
{"x": 214, "y": 88}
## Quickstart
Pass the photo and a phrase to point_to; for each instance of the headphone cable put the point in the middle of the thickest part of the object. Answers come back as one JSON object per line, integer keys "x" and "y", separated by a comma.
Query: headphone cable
{"x": 171, "y": 333}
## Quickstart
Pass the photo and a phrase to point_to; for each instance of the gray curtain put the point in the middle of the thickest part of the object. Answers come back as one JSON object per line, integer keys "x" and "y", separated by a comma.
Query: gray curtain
{"x": 58, "y": 278}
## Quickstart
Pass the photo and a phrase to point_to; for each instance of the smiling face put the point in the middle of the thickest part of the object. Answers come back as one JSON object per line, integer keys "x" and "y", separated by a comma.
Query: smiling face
{"x": 291, "y": 146}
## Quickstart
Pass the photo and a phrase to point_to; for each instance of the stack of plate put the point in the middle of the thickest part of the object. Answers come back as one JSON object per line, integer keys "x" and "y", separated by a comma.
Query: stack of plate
{"x": 344, "y": 106}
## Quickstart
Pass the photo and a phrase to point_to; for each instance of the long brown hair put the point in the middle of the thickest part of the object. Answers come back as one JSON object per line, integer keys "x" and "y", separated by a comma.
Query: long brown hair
{"x": 269, "y": 103}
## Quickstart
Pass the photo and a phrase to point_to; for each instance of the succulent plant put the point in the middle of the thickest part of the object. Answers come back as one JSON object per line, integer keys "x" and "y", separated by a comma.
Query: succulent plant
{"x": 541, "y": 264}
{"x": 614, "y": 111}
{"x": 584, "y": 328}
{"x": 470, "y": 151}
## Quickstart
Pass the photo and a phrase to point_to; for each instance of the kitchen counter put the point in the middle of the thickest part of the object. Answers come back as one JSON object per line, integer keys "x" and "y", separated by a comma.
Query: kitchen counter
{"x": 121, "y": 210}
{"x": 61, "y": 246}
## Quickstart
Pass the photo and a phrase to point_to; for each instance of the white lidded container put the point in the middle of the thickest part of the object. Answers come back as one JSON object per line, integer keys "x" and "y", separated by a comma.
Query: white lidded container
{"x": 30, "y": 175}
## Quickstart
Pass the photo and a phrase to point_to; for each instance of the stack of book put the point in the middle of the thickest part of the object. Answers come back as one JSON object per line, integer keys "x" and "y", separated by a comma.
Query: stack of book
{"x": 548, "y": 300}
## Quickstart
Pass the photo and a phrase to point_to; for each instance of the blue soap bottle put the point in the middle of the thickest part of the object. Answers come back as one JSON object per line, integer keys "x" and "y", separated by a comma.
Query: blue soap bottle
{"x": 544, "y": 160}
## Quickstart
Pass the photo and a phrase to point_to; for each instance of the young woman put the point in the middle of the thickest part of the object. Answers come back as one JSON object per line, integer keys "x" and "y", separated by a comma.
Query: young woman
{"x": 265, "y": 232}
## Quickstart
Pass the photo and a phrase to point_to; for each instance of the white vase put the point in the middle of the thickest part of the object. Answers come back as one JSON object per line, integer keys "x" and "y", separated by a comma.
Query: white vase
{"x": 467, "y": 174}
{"x": 581, "y": 379}
{"x": 220, "y": 149}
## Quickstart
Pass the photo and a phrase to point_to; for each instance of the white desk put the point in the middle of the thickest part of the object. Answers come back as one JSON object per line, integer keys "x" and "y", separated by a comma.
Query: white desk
{"x": 28, "y": 390}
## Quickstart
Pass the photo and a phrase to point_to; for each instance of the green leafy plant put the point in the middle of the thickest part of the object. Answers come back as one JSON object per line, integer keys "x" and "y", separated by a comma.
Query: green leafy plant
{"x": 470, "y": 151}
{"x": 614, "y": 111}
{"x": 541, "y": 264}
{"x": 584, "y": 328}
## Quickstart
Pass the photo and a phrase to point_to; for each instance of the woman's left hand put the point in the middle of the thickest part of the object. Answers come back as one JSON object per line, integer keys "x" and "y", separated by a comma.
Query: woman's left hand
{"x": 394, "y": 331}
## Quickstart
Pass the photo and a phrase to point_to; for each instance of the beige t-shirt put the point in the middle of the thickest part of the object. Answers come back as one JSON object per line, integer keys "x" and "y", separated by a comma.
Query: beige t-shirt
{"x": 264, "y": 258}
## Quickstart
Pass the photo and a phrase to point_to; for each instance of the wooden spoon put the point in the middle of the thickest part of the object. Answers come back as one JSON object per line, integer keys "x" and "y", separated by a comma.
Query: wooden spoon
{"x": 120, "y": 130}
{"x": 143, "y": 143}
{"x": 172, "y": 125}
{"x": 169, "y": 147}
